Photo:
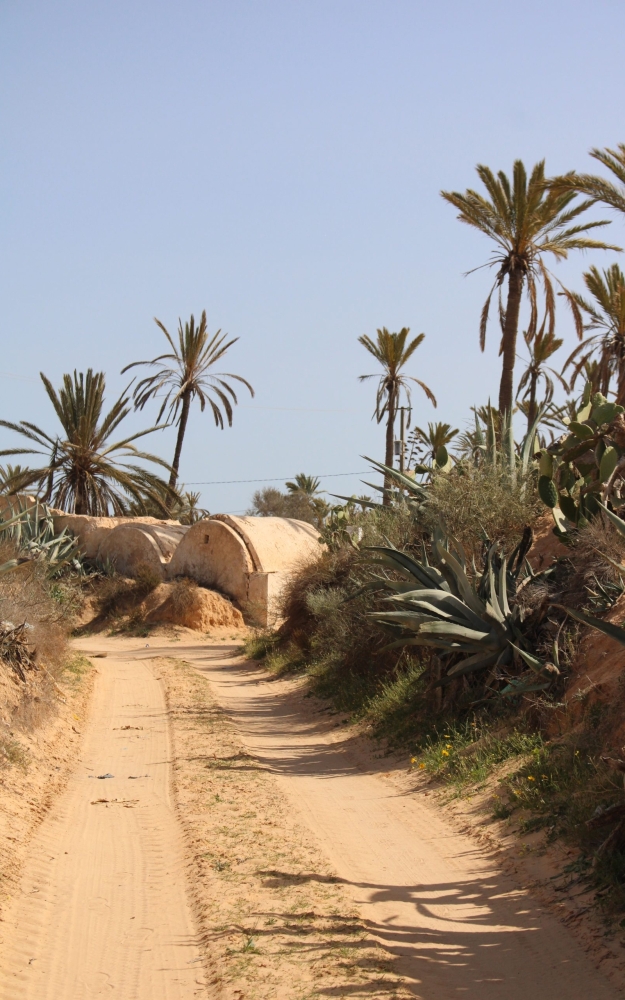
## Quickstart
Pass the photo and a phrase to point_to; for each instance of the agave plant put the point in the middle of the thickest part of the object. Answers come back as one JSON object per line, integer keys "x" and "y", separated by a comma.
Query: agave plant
{"x": 497, "y": 449}
{"x": 474, "y": 626}
{"x": 6, "y": 525}
{"x": 32, "y": 530}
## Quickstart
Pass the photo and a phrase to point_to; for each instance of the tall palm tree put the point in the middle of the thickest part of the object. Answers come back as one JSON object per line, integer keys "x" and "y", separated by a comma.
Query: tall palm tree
{"x": 83, "y": 472}
{"x": 607, "y": 316}
{"x": 184, "y": 374}
{"x": 541, "y": 348}
{"x": 392, "y": 353}
{"x": 527, "y": 221}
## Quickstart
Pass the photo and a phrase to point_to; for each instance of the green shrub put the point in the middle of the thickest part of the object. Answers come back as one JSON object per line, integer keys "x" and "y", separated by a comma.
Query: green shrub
{"x": 477, "y": 502}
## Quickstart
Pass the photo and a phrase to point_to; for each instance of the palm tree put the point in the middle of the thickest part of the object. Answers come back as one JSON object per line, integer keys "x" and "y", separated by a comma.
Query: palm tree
{"x": 607, "y": 316}
{"x": 307, "y": 488}
{"x": 184, "y": 374}
{"x": 308, "y": 485}
{"x": 598, "y": 188}
{"x": 391, "y": 352}
{"x": 438, "y": 435}
{"x": 83, "y": 473}
{"x": 9, "y": 474}
{"x": 527, "y": 221}
{"x": 541, "y": 348}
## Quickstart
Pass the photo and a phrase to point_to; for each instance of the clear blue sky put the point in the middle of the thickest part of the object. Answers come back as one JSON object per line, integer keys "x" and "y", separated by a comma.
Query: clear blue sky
{"x": 278, "y": 163}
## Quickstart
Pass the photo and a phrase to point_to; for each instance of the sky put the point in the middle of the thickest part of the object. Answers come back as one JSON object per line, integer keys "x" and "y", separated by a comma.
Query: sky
{"x": 278, "y": 163}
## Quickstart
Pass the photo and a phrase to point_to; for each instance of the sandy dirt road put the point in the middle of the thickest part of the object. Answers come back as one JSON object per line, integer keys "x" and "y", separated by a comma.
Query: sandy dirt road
{"x": 459, "y": 926}
{"x": 102, "y": 908}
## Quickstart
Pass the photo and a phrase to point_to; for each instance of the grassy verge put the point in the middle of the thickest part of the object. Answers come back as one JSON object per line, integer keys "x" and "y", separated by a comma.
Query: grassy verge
{"x": 562, "y": 787}
{"x": 466, "y": 753}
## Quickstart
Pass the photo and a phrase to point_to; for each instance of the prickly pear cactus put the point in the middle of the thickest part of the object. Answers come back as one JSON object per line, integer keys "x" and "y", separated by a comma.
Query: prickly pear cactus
{"x": 586, "y": 465}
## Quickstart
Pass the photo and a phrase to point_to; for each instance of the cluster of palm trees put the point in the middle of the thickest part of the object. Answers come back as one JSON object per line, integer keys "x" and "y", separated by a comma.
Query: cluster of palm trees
{"x": 529, "y": 219}
{"x": 86, "y": 472}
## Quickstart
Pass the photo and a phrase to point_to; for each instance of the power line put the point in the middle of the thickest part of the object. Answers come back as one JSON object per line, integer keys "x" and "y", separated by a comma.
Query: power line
{"x": 21, "y": 378}
{"x": 277, "y": 479}
{"x": 294, "y": 409}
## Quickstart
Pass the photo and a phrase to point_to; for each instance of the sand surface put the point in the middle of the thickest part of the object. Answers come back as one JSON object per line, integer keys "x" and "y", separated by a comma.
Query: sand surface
{"x": 102, "y": 908}
{"x": 110, "y": 916}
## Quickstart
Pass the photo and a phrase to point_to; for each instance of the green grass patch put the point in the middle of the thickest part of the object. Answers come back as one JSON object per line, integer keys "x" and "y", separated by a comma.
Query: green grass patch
{"x": 395, "y": 711}
{"x": 259, "y": 644}
{"x": 555, "y": 786}
{"x": 76, "y": 668}
{"x": 463, "y": 753}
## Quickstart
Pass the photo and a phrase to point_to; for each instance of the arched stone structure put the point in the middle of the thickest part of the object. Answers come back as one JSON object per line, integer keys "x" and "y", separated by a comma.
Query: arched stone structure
{"x": 248, "y": 558}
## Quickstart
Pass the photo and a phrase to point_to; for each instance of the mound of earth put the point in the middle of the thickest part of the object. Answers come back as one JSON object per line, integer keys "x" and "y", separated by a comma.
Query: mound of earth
{"x": 546, "y": 547}
{"x": 185, "y": 603}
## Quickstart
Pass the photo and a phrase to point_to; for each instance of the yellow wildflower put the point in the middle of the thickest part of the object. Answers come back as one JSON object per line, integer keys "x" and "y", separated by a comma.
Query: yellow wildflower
{"x": 531, "y": 778}
{"x": 444, "y": 753}
{"x": 422, "y": 766}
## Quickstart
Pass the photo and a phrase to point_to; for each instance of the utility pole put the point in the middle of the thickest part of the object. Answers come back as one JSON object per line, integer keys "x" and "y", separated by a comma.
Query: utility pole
{"x": 402, "y": 435}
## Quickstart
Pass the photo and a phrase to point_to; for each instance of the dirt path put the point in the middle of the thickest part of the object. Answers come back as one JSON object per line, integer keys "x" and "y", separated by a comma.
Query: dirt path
{"x": 102, "y": 907}
{"x": 430, "y": 895}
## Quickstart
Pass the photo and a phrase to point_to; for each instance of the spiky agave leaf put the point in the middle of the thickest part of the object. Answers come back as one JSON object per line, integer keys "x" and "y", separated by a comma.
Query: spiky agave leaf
{"x": 608, "y": 628}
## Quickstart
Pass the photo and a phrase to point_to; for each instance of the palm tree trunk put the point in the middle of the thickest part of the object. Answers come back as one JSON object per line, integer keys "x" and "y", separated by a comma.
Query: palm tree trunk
{"x": 620, "y": 392}
{"x": 182, "y": 426}
{"x": 532, "y": 408}
{"x": 510, "y": 330}
{"x": 80, "y": 503}
{"x": 390, "y": 445}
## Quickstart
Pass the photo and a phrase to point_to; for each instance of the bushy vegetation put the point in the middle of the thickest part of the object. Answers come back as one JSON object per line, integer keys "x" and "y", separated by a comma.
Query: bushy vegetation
{"x": 271, "y": 502}
{"x": 372, "y": 624}
{"x": 116, "y": 595}
{"x": 475, "y": 502}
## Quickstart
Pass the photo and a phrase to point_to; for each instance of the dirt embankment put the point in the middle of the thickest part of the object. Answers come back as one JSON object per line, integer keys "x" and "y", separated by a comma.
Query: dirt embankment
{"x": 39, "y": 740}
{"x": 120, "y": 603}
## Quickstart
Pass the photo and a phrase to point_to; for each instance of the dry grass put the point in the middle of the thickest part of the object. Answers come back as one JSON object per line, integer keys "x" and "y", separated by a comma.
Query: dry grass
{"x": 476, "y": 503}
{"x": 117, "y": 595}
{"x": 182, "y": 595}
{"x": 27, "y": 596}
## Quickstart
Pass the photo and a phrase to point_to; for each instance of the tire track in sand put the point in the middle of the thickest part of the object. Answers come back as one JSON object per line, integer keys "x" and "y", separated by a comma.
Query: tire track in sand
{"x": 102, "y": 908}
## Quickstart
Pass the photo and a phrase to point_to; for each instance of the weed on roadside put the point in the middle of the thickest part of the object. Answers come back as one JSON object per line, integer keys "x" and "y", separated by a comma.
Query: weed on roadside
{"x": 13, "y": 754}
{"x": 259, "y": 644}
{"x": 463, "y": 753}
{"x": 77, "y": 666}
